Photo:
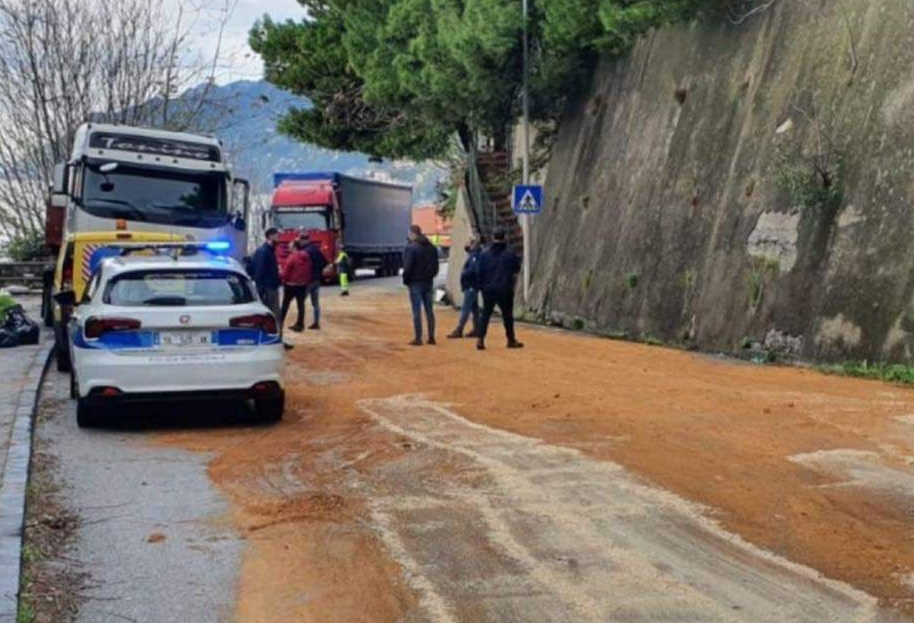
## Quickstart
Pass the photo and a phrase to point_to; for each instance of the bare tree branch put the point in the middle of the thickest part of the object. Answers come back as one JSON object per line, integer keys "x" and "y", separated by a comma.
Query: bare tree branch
{"x": 64, "y": 62}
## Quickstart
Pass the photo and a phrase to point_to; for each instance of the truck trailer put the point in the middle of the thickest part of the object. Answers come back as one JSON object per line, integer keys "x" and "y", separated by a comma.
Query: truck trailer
{"x": 367, "y": 217}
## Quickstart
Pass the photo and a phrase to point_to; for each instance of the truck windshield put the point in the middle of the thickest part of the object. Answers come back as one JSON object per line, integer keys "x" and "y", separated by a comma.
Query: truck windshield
{"x": 315, "y": 219}
{"x": 192, "y": 199}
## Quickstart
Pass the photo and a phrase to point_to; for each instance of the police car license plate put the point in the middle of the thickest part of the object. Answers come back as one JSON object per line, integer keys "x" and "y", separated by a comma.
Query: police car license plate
{"x": 185, "y": 338}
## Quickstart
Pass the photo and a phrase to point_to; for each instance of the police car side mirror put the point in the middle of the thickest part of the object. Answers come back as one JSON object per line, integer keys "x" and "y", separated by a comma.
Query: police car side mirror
{"x": 239, "y": 222}
{"x": 66, "y": 298}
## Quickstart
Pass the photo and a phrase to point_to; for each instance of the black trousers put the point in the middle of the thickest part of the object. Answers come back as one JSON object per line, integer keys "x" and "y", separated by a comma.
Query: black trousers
{"x": 505, "y": 303}
{"x": 298, "y": 293}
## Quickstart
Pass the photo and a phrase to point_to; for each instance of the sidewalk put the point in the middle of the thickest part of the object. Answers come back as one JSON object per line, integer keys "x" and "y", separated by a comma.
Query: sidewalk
{"x": 21, "y": 369}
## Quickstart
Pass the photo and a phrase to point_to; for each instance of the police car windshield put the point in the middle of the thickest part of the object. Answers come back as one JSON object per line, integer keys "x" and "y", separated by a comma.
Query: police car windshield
{"x": 178, "y": 288}
{"x": 187, "y": 198}
{"x": 301, "y": 220}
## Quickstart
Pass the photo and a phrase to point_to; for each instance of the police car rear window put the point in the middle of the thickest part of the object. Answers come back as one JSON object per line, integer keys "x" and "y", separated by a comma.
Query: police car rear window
{"x": 177, "y": 288}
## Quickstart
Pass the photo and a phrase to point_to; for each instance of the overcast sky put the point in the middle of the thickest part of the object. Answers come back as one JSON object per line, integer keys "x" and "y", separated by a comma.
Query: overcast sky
{"x": 238, "y": 61}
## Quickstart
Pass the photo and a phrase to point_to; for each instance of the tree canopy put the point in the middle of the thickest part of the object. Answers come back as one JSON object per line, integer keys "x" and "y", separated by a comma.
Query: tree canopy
{"x": 401, "y": 78}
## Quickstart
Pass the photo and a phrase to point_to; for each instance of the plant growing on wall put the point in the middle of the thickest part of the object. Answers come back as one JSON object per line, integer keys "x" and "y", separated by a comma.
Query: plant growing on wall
{"x": 813, "y": 180}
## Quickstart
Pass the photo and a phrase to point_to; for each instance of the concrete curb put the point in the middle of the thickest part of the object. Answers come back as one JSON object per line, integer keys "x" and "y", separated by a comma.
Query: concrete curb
{"x": 14, "y": 486}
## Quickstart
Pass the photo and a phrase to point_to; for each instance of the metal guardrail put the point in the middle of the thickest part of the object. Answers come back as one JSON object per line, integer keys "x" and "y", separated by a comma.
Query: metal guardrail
{"x": 482, "y": 209}
{"x": 27, "y": 274}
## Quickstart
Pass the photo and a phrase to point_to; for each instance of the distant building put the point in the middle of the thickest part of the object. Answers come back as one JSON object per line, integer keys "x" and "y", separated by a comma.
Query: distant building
{"x": 437, "y": 229}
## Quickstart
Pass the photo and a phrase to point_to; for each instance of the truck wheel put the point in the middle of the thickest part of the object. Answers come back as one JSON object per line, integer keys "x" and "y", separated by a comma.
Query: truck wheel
{"x": 270, "y": 409}
{"x": 47, "y": 313}
{"x": 86, "y": 415}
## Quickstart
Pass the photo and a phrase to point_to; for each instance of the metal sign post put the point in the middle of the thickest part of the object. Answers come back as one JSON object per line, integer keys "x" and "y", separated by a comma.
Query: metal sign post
{"x": 525, "y": 217}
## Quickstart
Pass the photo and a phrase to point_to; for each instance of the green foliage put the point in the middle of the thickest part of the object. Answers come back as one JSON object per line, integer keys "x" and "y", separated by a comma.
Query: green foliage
{"x": 399, "y": 78}
{"x": 587, "y": 282}
{"x": 624, "y": 21}
{"x": 631, "y": 280}
{"x": 26, "y": 247}
{"x": 6, "y": 302}
{"x": 810, "y": 184}
{"x": 26, "y": 612}
{"x": 892, "y": 373}
{"x": 762, "y": 268}
{"x": 651, "y": 340}
{"x": 688, "y": 279}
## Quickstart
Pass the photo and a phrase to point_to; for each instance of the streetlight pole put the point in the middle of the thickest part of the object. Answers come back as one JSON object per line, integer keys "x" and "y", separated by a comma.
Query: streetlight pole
{"x": 525, "y": 98}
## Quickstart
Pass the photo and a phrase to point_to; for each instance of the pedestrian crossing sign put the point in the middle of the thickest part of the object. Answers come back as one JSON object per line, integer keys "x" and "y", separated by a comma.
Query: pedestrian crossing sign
{"x": 528, "y": 199}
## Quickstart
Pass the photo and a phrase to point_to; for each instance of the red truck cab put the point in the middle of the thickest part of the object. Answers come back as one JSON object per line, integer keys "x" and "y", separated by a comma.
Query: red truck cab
{"x": 307, "y": 207}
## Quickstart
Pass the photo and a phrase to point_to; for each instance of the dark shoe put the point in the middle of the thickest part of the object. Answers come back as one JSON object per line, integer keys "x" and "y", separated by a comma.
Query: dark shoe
{"x": 344, "y": 293}
{"x": 314, "y": 326}
{"x": 297, "y": 328}
{"x": 480, "y": 345}
{"x": 454, "y": 335}
{"x": 431, "y": 341}
{"x": 287, "y": 346}
{"x": 416, "y": 343}
{"x": 515, "y": 344}
{"x": 473, "y": 333}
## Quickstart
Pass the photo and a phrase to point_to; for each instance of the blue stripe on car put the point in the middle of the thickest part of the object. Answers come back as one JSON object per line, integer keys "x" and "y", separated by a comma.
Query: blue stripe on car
{"x": 245, "y": 337}
{"x": 116, "y": 340}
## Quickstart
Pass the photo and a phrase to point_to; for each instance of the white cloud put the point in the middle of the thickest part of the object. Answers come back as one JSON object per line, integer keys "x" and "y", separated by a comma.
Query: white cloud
{"x": 237, "y": 60}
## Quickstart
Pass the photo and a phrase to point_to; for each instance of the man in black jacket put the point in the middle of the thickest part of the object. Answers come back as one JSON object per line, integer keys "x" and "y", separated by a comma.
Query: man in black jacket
{"x": 469, "y": 276}
{"x": 318, "y": 262}
{"x": 498, "y": 268}
{"x": 420, "y": 266}
{"x": 266, "y": 275}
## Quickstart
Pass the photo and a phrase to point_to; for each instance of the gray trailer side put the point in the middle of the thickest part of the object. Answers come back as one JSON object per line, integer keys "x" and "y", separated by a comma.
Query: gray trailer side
{"x": 376, "y": 218}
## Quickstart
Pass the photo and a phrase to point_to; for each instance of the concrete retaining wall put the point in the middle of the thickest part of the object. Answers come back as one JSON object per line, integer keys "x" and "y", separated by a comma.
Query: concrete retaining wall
{"x": 668, "y": 209}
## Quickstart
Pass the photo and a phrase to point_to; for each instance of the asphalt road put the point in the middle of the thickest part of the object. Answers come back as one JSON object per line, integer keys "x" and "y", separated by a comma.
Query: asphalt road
{"x": 154, "y": 541}
{"x": 153, "y": 537}
{"x": 394, "y": 508}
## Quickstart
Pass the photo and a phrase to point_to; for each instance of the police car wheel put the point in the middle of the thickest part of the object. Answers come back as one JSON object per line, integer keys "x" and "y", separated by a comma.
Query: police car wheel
{"x": 270, "y": 409}
{"x": 86, "y": 415}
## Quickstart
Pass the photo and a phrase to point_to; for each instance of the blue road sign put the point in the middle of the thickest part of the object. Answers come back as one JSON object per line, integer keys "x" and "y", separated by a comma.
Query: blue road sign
{"x": 528, "y": 199}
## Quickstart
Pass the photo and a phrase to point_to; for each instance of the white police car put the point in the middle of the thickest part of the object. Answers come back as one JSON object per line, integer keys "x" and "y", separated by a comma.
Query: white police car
{"x": 179, "y": 324}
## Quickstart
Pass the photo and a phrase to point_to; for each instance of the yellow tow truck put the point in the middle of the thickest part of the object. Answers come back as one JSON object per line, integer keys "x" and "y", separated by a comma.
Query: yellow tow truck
{"x": 79, "y": 255}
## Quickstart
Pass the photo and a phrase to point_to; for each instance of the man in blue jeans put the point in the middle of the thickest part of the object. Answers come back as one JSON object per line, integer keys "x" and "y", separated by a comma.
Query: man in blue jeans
{"x": 420, "y": 266}
{"x": 318, "y": 262}
{"x": 469, "y": 277}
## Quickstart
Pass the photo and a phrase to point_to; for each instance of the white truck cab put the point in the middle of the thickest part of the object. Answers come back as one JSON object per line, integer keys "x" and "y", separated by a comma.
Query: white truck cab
{"x": 122, "y": 177}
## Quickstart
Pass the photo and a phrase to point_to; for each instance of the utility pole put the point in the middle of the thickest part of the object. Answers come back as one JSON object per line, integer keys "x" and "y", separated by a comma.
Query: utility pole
{"x": 525, "y": 97}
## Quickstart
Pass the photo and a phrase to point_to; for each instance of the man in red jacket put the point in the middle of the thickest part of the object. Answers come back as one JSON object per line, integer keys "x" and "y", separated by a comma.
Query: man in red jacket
{"x": 296, "y": 275}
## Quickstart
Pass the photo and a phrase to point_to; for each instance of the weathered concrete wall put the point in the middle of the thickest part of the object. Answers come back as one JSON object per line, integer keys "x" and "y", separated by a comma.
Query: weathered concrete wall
{"x": 461, "y": 232}
{"x": 665, "y": 216}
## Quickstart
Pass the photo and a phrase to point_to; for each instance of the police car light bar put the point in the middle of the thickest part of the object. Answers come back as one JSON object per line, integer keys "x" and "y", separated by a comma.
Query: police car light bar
{"x": 215, "y": 247}
{"x": 218, "y": 245}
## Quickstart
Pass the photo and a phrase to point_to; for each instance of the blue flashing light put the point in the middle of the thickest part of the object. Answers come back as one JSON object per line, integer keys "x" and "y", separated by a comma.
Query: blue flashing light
{"x": 218, "y": 246}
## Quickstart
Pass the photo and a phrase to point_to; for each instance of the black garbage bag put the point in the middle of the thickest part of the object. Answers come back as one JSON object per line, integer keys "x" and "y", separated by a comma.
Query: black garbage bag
{"x": 8, "y": 338}
{"x": 24, "y": 328}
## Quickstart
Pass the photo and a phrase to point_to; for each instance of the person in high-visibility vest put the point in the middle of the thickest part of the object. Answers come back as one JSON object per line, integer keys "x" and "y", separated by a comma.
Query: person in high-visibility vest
{"x": 342, "y": 268}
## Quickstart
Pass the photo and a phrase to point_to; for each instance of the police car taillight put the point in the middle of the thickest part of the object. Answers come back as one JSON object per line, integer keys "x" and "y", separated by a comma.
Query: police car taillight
{"x": 97, "y": 327}
{"x": 264, "y": 322}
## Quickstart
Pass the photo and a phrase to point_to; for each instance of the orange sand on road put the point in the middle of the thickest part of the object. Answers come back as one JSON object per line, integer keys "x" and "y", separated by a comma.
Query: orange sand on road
{"x": 811, "y": 467}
